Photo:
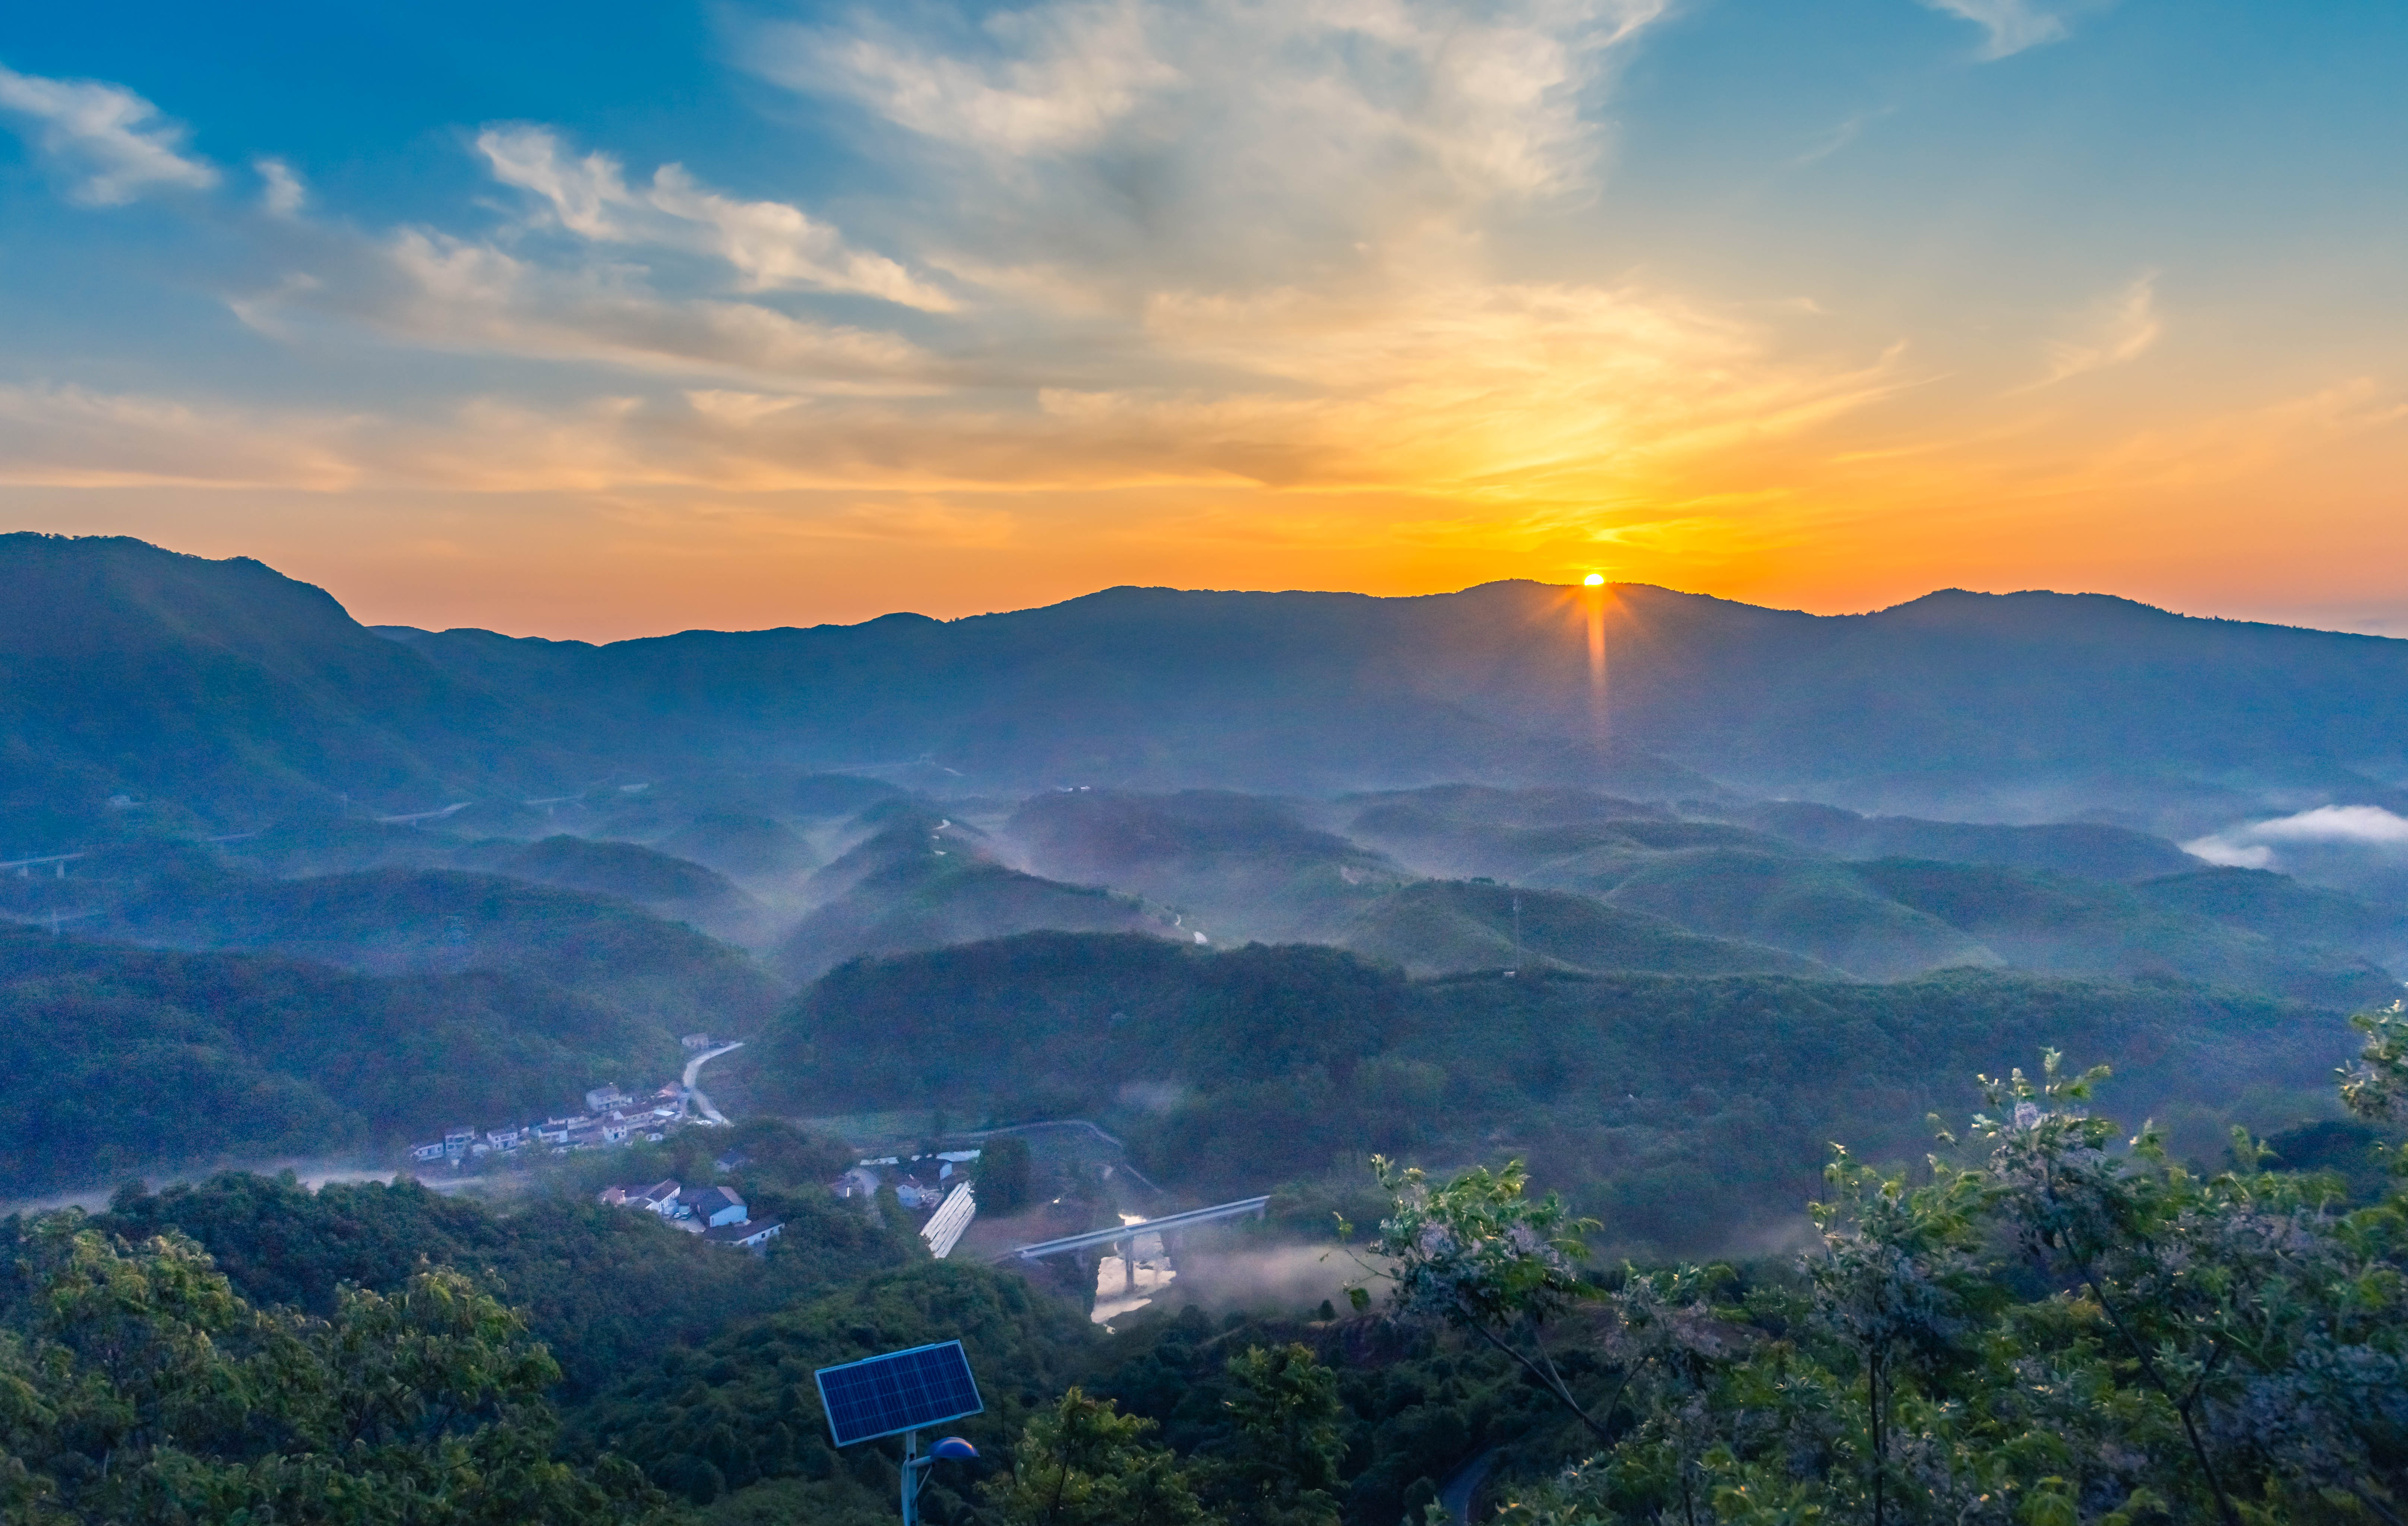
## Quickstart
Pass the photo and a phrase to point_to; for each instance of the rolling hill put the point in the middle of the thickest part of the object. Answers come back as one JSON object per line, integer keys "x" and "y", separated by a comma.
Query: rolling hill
{"x": 1230, "y": 1071}
{"x": 1439, "y": 927}
{"x": 662, "y": 974}
{"x": 117, "y": 1059}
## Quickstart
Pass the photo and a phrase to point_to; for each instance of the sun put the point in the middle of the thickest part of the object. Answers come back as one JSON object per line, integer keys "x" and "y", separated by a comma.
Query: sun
{"x": 1595, "y": 580}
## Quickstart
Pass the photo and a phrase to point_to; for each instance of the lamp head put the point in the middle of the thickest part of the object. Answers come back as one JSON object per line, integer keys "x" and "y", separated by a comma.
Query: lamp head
{"x": 953, "y": 1446}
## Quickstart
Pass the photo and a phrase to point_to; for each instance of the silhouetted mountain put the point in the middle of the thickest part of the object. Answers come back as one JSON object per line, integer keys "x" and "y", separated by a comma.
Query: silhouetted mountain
{"x": 226, "y": 690}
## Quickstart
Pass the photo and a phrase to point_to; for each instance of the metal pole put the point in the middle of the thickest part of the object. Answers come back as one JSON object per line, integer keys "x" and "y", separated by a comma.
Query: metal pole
{"x": 915, "y": 1472}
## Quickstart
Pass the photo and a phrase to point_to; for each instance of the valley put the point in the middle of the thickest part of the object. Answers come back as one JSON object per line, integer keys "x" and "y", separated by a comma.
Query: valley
{"x": 363, "y": 895}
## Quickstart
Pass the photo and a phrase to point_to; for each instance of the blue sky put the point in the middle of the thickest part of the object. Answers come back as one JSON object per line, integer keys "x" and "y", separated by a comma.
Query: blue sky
{"x": 617, "y": 318}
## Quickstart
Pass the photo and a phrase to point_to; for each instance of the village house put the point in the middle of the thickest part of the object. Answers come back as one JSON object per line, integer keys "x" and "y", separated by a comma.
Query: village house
{"x": 712, "y": 1207}
{"x": 611, "y": 1117}
{"x": 749, "y": 1235}
{"x": 660, "y": 1198}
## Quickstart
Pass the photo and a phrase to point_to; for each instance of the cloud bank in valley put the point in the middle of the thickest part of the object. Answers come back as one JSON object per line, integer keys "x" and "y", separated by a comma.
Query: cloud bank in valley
{"x": 2366, "y": 830}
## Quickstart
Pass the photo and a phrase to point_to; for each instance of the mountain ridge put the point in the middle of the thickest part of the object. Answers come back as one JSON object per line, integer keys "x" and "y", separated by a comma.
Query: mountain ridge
{"x": 221, "y": 693}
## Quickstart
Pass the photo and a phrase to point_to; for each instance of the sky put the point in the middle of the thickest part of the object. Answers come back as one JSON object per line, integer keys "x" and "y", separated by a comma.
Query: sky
{"x": 632, "y": 316}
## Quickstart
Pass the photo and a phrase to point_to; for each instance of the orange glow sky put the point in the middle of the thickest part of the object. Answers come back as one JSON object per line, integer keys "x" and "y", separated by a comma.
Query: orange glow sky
{"x": 958, "y": 315}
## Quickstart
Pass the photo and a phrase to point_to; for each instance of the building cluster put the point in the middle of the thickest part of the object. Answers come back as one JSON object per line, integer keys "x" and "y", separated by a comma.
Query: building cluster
{"x": 938, "y": 1184}
{"x": 611, "y": 1117}
{"x": 718, "y": 1214}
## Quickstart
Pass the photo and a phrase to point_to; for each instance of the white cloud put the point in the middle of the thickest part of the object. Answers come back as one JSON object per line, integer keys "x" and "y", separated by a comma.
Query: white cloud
{"x": 280, "y": 189}
{"x": 2011, "y": 25}
{"x": 442, "y": 292}
{"x": 71, "y": 436}
{"x": 113, "y": 143}
{"x": 1122, "y": 145}
{"x": 2122, "y": 329}
{"x": 1215, "y": 243}
{"x": 2259, "y": 844}
{"x": 770, "y": 244}
{"x": 2368, "y": 825}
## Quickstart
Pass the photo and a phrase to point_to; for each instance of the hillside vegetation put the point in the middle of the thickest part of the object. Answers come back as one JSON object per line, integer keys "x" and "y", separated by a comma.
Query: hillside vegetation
{"x": 119, "y": 1059}
{"x": 922, "y": 882}
{"x": 608, "y": 1291}
{"x": 660, "y": 973}
{"x": 1435, "y": 927}
{"x": 1625, "y": 1089}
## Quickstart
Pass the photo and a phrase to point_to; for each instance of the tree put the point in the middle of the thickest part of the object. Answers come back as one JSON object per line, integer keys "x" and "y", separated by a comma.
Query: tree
{"x": 1082, "y": 1463}
{"x": 1896, "y": 1283}
{"x": 1003, "y": 1179}
{"x": 1283, "y": 1467}
{"x": 2377, "y": 1088}
{"x": 1481, "y": 1254}
{"x": 2068, "y": 1328}
{"x": 141, "y": 1389}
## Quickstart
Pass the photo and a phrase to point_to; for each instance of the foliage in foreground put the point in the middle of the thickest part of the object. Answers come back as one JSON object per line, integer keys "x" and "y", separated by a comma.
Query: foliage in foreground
{"x": 607, "y": 1290}
{"x": 2052, "y": 1330}
{"x": 138, "y": 1387}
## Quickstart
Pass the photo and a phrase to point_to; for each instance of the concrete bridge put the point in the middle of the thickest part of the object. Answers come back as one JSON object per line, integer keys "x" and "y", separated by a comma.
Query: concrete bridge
{"x": 1122, "y": 1237}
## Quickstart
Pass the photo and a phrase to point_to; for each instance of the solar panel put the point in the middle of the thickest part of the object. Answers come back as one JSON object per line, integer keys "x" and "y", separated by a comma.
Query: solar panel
{"x": 902, "y": 1390}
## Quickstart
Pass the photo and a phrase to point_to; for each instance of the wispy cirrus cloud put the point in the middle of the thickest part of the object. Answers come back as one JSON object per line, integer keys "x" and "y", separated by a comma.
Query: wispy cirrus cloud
{"x": 1198, "y": 247}
{"x": 439, "y": 292}
{"x": 770, "y": 244}
{"x": 2123, "y": 328}
{"x": 281, "y": 188}
{"x": 76, "y": 436}
{"x": 2009, "y": 25}
{"x": 1141, "y": 143}
{"x": 110, "y": 143}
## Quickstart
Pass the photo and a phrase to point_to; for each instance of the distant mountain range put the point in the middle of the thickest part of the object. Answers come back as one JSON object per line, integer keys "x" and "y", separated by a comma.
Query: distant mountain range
{"x": 225, "y": 695}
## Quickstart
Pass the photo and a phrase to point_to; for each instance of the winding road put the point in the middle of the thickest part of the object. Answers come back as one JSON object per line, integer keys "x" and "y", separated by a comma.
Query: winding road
{"x": 1456, "y": 1492}
{"x": 693, "y": 1093}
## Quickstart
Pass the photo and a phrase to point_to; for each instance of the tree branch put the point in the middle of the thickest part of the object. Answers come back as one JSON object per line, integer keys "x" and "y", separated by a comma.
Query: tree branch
{"x": 1554, "y": 1385}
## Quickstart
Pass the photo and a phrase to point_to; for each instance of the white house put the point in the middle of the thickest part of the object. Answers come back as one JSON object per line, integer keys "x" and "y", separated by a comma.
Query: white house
{"x": 750, "y": 1236}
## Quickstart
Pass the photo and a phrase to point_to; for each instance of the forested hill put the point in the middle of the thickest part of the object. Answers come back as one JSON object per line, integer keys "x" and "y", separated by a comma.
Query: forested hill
{"x": 215, "y": 690}
{"x": 221, "y": 694}
{"x": 115, "y": 1059}
{"x": 1684, "y": 1109}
